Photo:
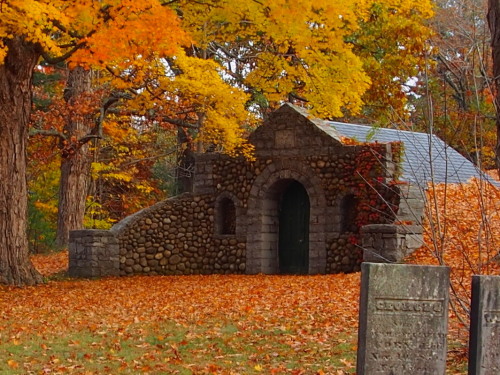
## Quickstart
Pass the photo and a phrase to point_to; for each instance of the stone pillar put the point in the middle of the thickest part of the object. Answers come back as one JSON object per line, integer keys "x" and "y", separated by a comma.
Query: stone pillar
{"x": 204, "y": 179}
{"x": 93, "y": 253}
{"x": 411, "y": 205}
{"x": 389, "y": 243}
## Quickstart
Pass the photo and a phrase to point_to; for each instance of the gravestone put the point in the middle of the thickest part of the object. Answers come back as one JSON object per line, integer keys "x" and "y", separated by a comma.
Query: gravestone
{"x": 484, "y": 339}
{"x": 403, "y": 319}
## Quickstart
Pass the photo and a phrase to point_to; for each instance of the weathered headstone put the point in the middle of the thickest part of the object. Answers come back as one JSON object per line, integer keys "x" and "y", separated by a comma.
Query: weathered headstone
{"x": 484, "y": 339}
{"x": 403, "y": 319}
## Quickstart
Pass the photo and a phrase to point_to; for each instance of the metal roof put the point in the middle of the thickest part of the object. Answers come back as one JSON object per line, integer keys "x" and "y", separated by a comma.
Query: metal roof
{"x": 426, "y": 157}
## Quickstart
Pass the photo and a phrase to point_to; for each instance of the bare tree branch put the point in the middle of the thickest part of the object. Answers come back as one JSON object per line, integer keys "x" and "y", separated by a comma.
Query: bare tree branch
{"x": 49, "y": 133}
{"x": 181, "y": 123}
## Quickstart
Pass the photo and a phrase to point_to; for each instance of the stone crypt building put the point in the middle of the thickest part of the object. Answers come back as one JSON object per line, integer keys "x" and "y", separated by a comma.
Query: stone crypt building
{"x": 311, "y": 202}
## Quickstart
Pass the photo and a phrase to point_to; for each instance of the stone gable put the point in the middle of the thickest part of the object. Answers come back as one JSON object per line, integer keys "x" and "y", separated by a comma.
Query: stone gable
{"x": 288, "y": 132}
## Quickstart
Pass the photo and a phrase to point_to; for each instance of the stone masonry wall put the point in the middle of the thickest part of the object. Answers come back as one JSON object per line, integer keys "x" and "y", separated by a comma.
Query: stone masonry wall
{"x": 358, "y": 170}
{"x": 176, "y": 237}
{"x": 389, "y": 243}
{"x": 343, "y": 254}
{"x": 93, "y": 253}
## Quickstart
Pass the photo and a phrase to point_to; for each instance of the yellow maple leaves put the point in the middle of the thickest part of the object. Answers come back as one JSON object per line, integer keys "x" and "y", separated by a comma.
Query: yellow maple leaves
{"x": 320, "y": 51}
{"x": 287, "y": 47}
{"x": 336, "y": 56}
{"x": 186, "y": 84}
{"x": 392, "y": 43}
{"x": 33, "y": 19}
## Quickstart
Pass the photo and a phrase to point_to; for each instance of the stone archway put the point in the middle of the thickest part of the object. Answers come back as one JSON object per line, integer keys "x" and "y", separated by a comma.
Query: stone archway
{"x": 262, "y": 255}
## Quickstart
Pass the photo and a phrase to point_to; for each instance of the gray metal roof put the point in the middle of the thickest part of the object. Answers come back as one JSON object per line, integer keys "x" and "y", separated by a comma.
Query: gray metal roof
{"x": 426, "y": 157}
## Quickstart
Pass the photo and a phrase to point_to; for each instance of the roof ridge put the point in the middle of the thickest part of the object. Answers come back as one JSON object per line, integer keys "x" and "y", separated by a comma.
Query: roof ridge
{"x": 378, "y": 127}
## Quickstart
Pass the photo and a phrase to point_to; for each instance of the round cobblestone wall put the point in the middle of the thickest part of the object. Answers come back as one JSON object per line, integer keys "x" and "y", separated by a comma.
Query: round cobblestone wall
{"x": 176, "y": 237}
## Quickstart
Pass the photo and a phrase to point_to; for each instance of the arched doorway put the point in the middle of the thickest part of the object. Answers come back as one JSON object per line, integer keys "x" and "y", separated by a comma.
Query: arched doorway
{"x": 293, "y": 245}
{"x": 263, "y": 219}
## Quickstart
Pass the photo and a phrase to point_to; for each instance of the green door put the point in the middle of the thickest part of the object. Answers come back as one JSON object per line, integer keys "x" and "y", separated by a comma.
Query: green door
{"x": 294, "y": 230}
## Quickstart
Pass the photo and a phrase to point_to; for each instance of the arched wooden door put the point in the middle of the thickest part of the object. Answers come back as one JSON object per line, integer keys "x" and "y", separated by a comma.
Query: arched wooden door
{"x": 294, "y": 230}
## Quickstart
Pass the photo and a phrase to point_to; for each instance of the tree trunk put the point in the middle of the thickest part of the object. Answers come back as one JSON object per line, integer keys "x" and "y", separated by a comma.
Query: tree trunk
{"x": 494, "y": 24}
{"x": 15, "y": 106}
{"x": 75, "y": 162}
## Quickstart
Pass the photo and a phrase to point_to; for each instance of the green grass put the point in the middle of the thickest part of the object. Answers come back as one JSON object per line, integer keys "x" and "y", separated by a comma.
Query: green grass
{"x": 171, "y": 348}
{"x": 213, "y": 347}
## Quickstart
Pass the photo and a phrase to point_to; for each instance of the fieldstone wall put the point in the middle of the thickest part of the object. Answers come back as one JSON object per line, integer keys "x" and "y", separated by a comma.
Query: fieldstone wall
{"x": 176, "y": 237}
{"x": 344, "y": 254}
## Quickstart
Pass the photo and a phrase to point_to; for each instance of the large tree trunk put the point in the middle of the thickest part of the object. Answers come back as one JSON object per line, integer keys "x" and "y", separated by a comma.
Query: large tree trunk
{"x": 15, "y": 106}
{"x": 494, "y": 24}
{"x": 75, "y": 162}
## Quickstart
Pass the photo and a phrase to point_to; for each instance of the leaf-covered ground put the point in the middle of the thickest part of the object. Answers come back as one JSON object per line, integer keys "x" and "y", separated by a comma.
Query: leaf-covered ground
{"x": 231, "y": 324}
{"x": 195, "y": 324}
{"x": 50, "y": 264}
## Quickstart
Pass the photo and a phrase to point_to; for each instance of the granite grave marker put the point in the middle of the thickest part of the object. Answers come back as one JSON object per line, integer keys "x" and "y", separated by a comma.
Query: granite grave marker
{"x": 484, "y": 339}
{"x": 403, "y": 319}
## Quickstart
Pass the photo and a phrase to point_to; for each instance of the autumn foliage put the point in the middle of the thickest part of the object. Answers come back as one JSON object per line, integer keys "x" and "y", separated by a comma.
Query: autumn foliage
{"x": 463, "y": 228}
{"x": 51, "y": 263}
